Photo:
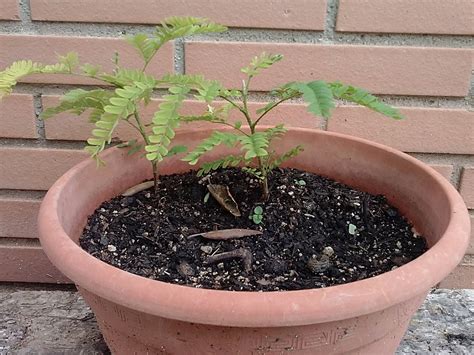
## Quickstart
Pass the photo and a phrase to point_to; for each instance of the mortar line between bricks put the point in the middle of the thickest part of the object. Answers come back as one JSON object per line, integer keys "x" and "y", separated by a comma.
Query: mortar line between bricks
{"x": 179, "y": 57}
{"x": 38, "y": 109}
{"x": 331, "y": 19}
{"x": 441, "y": 102}
{"x": 25, "y": 12}
{"x": 284, "y": 36}
{"x": 33, "y": 195}
{"x": 19, "y": 242}
{"x": 456, "y": 175}
{"x": 36, "y": 143}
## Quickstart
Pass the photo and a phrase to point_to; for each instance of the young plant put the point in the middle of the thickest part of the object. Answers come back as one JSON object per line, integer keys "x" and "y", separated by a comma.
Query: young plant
{"x": 127, "y": 91}
{"x": 257, "y": 215}
{"x": 257, "y": 157}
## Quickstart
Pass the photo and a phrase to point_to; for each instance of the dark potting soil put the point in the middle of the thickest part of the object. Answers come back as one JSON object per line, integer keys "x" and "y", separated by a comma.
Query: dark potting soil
{"x": 316, "y": 233}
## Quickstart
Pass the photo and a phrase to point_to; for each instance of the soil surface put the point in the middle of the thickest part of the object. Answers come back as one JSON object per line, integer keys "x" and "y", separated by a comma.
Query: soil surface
{"x": 316, "y": 233}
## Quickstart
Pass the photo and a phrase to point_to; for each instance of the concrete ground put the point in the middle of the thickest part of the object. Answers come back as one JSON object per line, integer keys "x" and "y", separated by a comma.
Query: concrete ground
{"x": 50, "y": 321}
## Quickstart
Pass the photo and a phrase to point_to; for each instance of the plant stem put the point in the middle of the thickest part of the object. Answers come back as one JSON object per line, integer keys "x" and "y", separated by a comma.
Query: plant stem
{"x": 264, "y": 180}
{"x": 245, "y": 111}
{"x": 252, "y": 126}
{"x": 273, "y": 106}
{"x": 154, "y": 164}
{"x": 234, "y": 104}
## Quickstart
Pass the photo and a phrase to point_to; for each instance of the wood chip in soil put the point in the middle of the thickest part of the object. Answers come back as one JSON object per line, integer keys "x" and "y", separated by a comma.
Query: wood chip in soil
{"x": 315, "y": 233}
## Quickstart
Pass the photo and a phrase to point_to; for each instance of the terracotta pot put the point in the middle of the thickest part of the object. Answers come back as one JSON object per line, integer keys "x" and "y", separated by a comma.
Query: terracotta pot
{"x": 142, "y": 316}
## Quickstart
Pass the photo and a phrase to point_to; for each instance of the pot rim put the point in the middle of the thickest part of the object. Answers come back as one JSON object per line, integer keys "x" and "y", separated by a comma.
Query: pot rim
{"x": 256, "y": 309}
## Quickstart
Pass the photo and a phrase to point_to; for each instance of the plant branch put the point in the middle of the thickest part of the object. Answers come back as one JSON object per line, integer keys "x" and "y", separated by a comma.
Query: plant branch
{"x": 245, "y": 87}
{"x": 273, "y": 106}
{"x": 232, "y": 103}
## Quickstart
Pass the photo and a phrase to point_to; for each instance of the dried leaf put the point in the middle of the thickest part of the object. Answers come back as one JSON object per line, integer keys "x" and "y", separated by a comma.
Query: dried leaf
{"x": 222, "y": 195}
{"x": 137, "y": 188}
{"x": 225, "y": 234}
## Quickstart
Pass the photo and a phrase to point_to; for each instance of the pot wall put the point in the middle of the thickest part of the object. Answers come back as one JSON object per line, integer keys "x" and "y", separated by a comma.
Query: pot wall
{"x": 130, "y": 332}
{"x": 139, "y": 315}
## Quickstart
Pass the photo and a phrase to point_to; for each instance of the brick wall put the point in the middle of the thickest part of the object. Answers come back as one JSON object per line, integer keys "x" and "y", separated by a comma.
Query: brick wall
{"x": 416, "y": 54}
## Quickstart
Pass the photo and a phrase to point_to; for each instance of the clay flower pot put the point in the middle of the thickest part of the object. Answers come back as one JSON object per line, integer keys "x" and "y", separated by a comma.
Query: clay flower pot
{"x": 143, "y": 316}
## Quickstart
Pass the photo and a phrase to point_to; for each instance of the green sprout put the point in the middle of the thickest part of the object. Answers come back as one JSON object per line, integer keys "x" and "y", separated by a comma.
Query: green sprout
{"x": 257, "y": 215}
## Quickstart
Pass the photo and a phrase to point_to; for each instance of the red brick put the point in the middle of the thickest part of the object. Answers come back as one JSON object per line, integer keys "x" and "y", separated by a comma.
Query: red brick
{"x": 25, "y": 261}
{"x": 462, "y": 276}
{"x": 406, "y": 16}
{"x": 467, "y": 186}
{"x": 291, "y": 14}
{"x": 428, "y": 130}
{"x": 71, "y": 127}
{"x": 35, "y": 168}
{"x": 97, "y": 51}
{"x": 380, "y": 69}
{"x": 445, "y": 170}
{"x": 17, "y": 117}
{"x": 9, "y": 10}
{"x": 18, "y": 217}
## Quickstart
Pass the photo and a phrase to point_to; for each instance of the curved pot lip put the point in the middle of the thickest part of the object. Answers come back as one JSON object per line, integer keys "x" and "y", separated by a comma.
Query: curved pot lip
{"x": 256, "y": 309}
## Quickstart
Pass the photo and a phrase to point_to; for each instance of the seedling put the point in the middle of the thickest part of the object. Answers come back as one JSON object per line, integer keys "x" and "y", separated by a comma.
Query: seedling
{"x": 257, "y": 215}
{"x": 300, "y": 182}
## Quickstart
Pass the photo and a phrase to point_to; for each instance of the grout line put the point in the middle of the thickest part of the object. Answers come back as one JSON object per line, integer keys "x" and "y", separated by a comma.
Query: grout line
{"x": 179, "y": 57}
{"x": 396, "y": 100}
{"x": 331, "y": 19}
{"x": 329, "y": 36}
{"x": 34, "y": 195}
{"x": 19, "y": 242}
{"x": 38, "y": 107}
{"x": 458, "y": 175}
{"x": 36, "y": 143}
{"x": 25, "y": 12}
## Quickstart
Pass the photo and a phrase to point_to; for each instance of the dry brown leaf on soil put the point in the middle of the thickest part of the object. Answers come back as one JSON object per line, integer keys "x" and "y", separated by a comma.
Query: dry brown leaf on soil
{"x": 222, "y": 195}
{"x": 225, "y": 234}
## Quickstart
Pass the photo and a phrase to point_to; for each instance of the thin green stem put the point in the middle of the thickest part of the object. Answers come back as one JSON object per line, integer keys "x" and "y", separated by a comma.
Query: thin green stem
{"x": 232, "y": 103}
{"x": 231, "y": 125}
{"x": 245, "y": 87}
{"x": 271, "y": 108}
{"x": 154, "y": 163}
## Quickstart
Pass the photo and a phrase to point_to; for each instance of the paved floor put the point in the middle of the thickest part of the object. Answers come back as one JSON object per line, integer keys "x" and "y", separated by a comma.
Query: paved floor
{"x": 51, "y": 321}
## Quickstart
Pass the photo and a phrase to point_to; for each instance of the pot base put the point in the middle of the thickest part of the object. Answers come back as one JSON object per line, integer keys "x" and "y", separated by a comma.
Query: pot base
{"x": 130, "y": 332}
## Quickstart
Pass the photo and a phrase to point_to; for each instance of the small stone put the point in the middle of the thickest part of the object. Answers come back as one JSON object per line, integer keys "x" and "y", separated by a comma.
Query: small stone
{"x": 264, "y": 282}
{"x": 399, "y": 245}
{"x": 352, "y": 229}
{"x": 206, "y": 249}
{"x": 111, "y": 248}
{"x": 328, "y": 251}
{"x": 104, "y": 240}
{"x": 185, "y": 269}
{"x": 391, "y": 212}
{"x": 317, "y": 265}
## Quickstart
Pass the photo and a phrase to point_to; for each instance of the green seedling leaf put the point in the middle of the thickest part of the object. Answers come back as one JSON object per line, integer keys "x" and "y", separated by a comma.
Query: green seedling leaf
{"x": 257, "y": 218}
{"x": 300, "y": 182}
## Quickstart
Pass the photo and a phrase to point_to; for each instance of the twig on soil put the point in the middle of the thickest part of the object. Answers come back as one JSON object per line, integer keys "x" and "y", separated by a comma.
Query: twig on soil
{"x": 137, "y": 188}
{"x": 241, "y": 253}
